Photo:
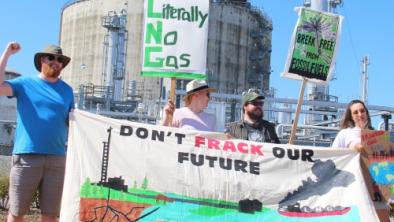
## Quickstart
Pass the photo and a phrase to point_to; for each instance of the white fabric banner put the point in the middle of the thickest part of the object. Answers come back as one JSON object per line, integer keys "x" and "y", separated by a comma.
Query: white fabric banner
{"x": 119, "y": 170}
{"x": 175, "y": 38}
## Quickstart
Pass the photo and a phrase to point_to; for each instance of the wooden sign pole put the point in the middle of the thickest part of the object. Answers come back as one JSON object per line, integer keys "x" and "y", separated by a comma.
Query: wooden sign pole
{"x": 172, "y": 90}
{"x": 297, "y": 114}
{"x": 172, "y": 95}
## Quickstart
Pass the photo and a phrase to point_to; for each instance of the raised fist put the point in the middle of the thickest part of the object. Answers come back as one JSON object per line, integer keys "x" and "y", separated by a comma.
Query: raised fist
{"x": 15, "y": 46}
{"x": 12, "y": 48}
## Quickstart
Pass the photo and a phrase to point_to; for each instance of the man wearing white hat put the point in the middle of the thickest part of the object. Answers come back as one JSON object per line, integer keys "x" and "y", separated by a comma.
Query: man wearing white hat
{"x": 192, "y": 116}
{"x": 43, "y": 105}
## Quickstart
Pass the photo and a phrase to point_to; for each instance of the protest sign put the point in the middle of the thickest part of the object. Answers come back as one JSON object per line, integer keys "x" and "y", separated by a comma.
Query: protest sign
{"x": 175, "y": 38}
{"x": 313, "y": 46}
{"x": 378, "y": 167}
{"x": 379, "y": 147}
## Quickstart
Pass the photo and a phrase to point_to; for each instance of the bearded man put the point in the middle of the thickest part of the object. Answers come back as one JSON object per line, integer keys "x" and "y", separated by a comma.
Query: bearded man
{"x": 43, "y": 105}
{"x": 252, "y": 127}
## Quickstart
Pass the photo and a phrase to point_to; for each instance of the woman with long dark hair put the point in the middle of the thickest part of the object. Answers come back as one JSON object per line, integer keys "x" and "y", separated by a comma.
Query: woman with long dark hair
{"x": 356, "y": 118}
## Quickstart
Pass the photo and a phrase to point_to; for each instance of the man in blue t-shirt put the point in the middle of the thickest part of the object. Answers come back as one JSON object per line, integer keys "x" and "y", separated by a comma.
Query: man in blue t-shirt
{"x": 43, "y": 105}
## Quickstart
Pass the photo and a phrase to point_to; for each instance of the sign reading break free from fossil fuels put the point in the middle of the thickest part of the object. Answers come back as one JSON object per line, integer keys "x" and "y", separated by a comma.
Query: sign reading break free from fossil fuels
{"x": 175, "y": 38}
{"x": 313, "y": 46}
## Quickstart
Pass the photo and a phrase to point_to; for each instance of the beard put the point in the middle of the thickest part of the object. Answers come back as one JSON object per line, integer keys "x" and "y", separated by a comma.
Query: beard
{"x": 256, "y": 114}
{"x": 49, "y": 71}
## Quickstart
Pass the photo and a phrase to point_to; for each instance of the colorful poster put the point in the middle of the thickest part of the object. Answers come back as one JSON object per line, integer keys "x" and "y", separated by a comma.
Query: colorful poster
{"x": 126, "y": 171}
{"x": 175, "y": 38}
{"x": 313, "y": 46}
{"x": 379, "y": 159}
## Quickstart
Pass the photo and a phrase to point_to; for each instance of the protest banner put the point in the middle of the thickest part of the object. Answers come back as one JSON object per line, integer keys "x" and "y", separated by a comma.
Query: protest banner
{"x": 175, "y": 38}
{"x": 119, "y": 170}
{"x": 313, "y": 46}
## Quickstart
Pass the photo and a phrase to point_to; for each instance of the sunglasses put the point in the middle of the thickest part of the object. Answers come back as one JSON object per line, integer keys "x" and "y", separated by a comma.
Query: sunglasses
{"x": 58, "y": 58}
{"x": 209, "y": 95}
{"x": 256, "y": 103}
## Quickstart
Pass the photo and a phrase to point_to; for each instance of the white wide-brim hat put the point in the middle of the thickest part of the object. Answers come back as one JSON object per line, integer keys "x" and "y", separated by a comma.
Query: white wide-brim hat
{"x": 197, "y": 86}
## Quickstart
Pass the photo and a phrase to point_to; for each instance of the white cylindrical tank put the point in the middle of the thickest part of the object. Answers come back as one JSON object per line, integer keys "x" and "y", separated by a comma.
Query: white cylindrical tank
{"x": 82, "y": 37}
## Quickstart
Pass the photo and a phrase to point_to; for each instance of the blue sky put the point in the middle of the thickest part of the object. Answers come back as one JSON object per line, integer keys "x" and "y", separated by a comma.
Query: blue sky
{"x": 367, "y": 30}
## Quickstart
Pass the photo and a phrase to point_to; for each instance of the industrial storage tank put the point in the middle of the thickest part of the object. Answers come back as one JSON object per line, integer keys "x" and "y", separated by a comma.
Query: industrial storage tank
{"x": 83, "y": 32}
{"x": 8, "y": 119}
{"x": 239, "y": 47}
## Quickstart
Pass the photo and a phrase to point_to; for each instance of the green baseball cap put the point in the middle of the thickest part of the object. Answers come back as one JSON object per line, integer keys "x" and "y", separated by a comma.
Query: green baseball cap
{"x": 250, "y": 96}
